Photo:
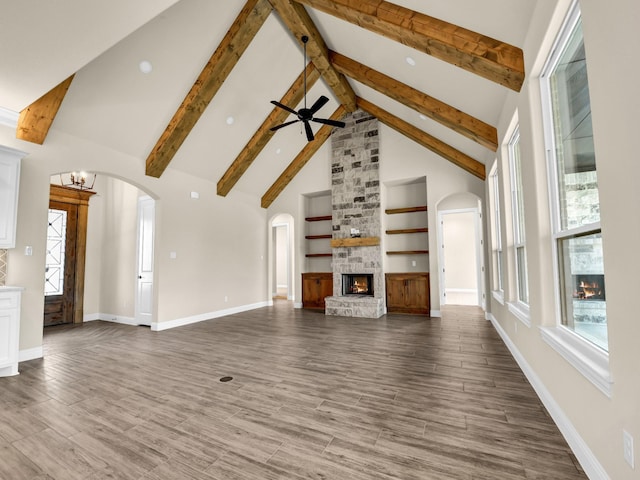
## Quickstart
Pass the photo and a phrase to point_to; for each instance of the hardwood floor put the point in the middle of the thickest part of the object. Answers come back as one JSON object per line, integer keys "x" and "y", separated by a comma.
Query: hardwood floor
{"x": 401, "y": 397}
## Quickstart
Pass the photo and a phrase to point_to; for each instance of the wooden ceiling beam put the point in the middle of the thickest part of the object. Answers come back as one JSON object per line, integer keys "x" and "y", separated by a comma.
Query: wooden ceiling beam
{"x": 450, "y": 117}
{"x": 428, "y": 141}
{"x": 301, "y": 160}
{"x": 262, "y": 136}
{"x": 298, "y": 21}
{"x": 485, "y": 56}
{"x": 35, "y": 120}
{"x": 235, "y": 42}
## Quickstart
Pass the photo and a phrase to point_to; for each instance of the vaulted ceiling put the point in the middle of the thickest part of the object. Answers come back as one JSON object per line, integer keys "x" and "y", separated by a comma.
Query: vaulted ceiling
{"x": 78, "y": 73}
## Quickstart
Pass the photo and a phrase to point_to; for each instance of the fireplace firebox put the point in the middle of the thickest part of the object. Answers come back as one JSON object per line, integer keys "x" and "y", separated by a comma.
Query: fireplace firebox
{"x": 357, "y": 284}
{"x": 588, "y": 287}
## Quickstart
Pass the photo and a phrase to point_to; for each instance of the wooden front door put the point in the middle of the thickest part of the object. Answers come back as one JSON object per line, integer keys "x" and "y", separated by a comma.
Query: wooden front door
{"x": 60, "y": 267}
{"x": 66, "y": 246}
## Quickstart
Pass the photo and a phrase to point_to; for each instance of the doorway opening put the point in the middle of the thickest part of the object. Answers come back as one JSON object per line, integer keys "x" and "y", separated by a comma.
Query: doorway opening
{"x": 111, "y": 266}
{"x": 66, "y": 255}
{"x": 460, "y": 251}
{"x": 281, "y": 258}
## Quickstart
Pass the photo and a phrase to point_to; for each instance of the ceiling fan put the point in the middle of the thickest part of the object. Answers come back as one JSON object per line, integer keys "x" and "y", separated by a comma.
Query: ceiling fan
{"x": 305, "y": 114}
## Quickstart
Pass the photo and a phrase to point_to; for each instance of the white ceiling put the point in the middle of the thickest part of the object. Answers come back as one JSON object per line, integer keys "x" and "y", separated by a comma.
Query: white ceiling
{"x": 111, "y": 102}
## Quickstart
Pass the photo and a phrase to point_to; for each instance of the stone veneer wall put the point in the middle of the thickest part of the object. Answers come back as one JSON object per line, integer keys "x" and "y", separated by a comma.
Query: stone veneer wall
{"x": 355, "y": 192}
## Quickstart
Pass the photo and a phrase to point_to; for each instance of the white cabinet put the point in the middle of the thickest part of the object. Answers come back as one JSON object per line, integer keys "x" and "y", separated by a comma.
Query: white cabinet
{"x": 9, "y": 182}
{"x": 9, "y": 330}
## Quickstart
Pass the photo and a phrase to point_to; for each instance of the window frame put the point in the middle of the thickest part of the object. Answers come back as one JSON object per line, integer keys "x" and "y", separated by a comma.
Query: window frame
{"x": 496, "y": 236}
{"x": 519, "y": 306}
{"x": 589, "y": 359}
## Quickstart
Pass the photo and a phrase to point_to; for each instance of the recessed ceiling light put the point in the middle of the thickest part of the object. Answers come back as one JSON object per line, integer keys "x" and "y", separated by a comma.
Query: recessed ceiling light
{"x": 423, "y": 116}
{"x": 145, "y": 66}
{"x": 411, "y": 61}
{"x": 278, "y": 150}
{"x": 230, "y": 120}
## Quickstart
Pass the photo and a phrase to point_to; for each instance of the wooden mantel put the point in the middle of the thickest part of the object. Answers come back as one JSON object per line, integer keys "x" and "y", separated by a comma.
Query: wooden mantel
{"x": 355, "y": 242}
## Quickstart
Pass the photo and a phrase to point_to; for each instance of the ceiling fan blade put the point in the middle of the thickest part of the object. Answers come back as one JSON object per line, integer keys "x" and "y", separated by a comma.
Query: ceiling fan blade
{"x": 284, "y": 107}
{"x": 328, "y": 121}
{"x": 307, "y": 128}
{"x": 319, "y": 104}
{"x": 277, "y": 127}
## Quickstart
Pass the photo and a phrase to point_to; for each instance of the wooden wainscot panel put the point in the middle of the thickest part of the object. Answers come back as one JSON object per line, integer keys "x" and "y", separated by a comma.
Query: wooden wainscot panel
{"x": 355, "y": 242}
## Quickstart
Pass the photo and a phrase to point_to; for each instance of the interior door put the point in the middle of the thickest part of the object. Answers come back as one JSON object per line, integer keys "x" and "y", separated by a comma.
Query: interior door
{"x": 144, "y": 284}
{"x": 60, "y": 263}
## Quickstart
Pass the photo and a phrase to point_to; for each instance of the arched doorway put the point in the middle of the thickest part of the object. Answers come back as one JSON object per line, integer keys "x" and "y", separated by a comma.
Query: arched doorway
{"x": 118, "y": 269}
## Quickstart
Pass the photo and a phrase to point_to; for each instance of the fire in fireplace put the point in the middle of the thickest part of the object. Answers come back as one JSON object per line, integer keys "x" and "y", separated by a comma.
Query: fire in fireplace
{"x": 588, "y": 287}
{"x": 357, "y": 284}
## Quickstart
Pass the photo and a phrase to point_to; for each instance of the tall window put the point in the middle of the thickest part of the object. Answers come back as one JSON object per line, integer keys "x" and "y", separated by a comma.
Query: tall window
{"x": 517, "y": 204}
{"x": 576, "y": 204}
{"x": 496, "y": 237}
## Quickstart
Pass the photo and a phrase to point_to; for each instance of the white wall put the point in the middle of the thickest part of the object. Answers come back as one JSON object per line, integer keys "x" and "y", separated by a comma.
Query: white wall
{"x": 220, "y": 243}
{"x": 592, "y": 421}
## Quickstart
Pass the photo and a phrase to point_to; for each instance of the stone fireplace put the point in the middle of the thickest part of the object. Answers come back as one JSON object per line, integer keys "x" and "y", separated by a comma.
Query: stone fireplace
{"x": 356, "y": 230}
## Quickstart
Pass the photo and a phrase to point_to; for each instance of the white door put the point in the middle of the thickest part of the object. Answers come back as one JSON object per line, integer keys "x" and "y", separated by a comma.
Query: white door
{"x": 144, "y": 284}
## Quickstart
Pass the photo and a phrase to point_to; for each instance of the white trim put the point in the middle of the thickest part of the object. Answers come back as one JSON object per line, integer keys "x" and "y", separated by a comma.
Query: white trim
{"x": 9, "y": 118}
{"x": 180, "y": 322}
{"x": 588, "y": 461}
{"x": 30, "y": 354}
{"x": 108, "y": 317}
{"x": 520, "y": 311}
{"x": 498, "y": 295}
{"x": 297, "y": 304}
{"x": 589, "y": 360}
{"x": 435, "y": 313}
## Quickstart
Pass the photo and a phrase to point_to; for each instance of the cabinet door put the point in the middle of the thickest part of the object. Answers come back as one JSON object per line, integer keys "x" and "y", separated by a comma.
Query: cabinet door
{"x": 408, "y": 293}
{"x": 417, "y": 294}
{"x": 9, "y": 178}
{"x": 395, "y": 293}
{"x": 315, "y": 287}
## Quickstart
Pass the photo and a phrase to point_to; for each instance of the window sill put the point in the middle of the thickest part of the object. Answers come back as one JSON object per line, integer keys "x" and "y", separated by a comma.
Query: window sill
{"x": 498, "y": 295}
{"x": 589, "y": 360}
{"x": 521, "y": 312}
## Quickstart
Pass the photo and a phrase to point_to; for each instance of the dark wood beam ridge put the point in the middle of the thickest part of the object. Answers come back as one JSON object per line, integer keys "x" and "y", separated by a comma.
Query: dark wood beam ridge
{"x": 301, "y": 160}
{"x": 262, "y": 136}
{"x": 235, "y": 42}
{"x": 35, "y": 121}
{"x": 450, "y": 117}
{"x": 428, "y": 141}
{"x": 485, "y": 56}
{"x": 299, "y": 23}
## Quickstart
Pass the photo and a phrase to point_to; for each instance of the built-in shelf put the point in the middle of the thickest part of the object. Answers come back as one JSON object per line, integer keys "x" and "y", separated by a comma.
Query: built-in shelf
{"x": 318, "y": 219}
{"x": 407, "y": 230}
{"x": 317, "y": 237}
{"x": 319, "y": 255}
{"x": 355, "y": 242}
{"x": 420, "y": 208}
{"x": 407, "y": 252}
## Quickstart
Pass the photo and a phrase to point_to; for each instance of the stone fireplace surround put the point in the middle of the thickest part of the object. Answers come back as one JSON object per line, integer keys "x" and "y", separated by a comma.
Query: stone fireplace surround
{"x": 355, "y": 198}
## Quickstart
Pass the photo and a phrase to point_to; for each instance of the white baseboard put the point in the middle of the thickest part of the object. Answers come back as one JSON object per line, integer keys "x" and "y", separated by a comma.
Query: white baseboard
{"x": 297, "y": 304}
{"x": 30, "y": 354}
{"x": 583, "y": 453}
{"x": 108, "y": 317}
{"x": 435, "y": 313}
{"x": 180, "y": 322}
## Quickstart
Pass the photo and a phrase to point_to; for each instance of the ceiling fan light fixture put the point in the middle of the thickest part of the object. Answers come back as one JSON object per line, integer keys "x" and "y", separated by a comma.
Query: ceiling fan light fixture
{"x": 305, "y": 115}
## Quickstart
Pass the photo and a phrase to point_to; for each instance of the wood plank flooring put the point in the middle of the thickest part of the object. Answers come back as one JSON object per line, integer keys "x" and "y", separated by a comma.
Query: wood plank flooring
{"x": 312, "y": 397}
